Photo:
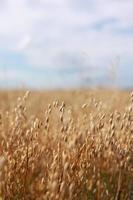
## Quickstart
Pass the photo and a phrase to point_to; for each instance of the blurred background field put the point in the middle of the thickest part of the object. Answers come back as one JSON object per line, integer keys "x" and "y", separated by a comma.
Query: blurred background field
{"x": 114, "y": 99}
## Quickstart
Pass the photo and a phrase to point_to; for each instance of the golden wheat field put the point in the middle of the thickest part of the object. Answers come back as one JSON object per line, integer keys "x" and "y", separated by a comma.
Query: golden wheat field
{"x": 66, "y": 145}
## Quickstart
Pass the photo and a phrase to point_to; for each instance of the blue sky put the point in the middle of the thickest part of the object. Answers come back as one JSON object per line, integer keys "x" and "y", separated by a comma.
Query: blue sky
{"x": 66, "y": 43}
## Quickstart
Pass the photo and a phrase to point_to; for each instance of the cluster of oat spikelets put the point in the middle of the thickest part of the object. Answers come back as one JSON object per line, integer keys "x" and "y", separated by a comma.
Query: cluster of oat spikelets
{"x": 67, "y": 153}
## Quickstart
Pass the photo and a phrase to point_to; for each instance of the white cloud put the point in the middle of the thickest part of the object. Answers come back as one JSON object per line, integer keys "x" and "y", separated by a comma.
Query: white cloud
{"x": 44, "y": 30}
{"x": 24, "y": 43}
